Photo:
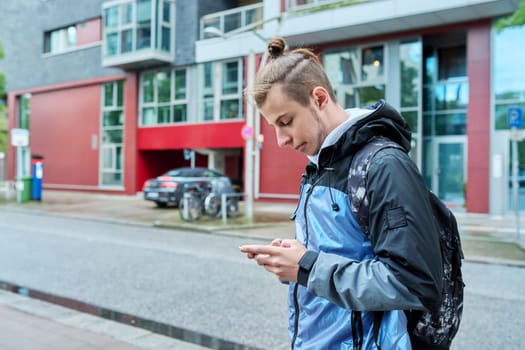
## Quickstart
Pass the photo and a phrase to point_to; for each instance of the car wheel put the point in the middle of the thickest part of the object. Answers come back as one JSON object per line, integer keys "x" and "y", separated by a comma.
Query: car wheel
{"x": 161, "y": 204}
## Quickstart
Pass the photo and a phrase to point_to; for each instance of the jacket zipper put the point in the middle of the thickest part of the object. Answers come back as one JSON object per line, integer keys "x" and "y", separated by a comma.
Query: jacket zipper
{"x": 296, "y": 287}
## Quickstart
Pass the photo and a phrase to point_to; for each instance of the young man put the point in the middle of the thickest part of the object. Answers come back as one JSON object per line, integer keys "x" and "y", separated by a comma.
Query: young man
{"x": 339, "y": 276}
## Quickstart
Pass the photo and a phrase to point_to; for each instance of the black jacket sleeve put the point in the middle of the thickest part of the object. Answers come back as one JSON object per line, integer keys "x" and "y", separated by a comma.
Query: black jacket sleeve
{"x": 403, "y": 232}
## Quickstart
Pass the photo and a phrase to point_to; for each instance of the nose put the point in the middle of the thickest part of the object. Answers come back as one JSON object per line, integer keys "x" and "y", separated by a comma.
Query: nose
{"x": 283, "y": 138}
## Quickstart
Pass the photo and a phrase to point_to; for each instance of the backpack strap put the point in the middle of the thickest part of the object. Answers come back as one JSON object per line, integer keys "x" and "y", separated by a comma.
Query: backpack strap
{"x": 357, "y": 190}
{"x": 357, "y": 178}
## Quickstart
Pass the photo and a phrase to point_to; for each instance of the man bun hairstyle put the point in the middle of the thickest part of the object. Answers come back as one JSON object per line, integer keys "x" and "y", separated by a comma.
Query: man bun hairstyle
{"x": 299, "y": 71}
{"x": 276, "y": 47}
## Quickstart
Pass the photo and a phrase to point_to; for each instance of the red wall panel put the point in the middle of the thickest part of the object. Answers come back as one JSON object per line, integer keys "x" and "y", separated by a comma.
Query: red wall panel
{"x": 62, "y": 125}
{"x": 89, "y": 32}
{"x": 478, "y": 118}
{"x": 130, "y": 134}
{"x": 216, "y": 135}
{"x": 281, "y": 168}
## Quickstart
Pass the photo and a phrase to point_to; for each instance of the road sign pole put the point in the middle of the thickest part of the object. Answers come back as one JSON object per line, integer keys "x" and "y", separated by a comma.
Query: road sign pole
{"x": 515, "y": 119}
{"x": 515, "y": 184}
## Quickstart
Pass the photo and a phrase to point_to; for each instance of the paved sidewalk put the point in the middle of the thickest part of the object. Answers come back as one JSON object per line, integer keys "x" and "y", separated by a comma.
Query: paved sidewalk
{"x": 31, "y": 324}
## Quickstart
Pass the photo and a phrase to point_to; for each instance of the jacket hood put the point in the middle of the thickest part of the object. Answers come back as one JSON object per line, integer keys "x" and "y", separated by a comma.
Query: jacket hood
{"x": 383, "y": 121}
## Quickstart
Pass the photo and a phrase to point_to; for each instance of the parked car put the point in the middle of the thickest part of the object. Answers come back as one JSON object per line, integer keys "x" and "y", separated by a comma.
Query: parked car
{"x": 168, "y": 188}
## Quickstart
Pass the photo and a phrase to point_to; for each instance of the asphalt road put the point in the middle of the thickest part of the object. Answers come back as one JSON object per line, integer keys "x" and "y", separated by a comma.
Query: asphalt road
{"x": 201, "y": 282}
{"x": 194, "y": 281}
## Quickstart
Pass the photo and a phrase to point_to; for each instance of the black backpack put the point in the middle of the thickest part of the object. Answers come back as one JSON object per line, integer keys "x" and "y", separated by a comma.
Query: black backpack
{"x": 433, "y": 329}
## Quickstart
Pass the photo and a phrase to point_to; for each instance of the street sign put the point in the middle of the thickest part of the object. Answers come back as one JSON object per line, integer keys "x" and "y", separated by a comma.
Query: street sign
{"x": 19, "y": 137}
{"x": 247, "y": 132}
{"x": 515, "y": 115}
{"x": 187, "y": 154}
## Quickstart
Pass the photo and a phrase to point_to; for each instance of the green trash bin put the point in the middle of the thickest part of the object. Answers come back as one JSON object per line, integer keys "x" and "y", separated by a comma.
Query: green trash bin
{"x": 25, "y": 193}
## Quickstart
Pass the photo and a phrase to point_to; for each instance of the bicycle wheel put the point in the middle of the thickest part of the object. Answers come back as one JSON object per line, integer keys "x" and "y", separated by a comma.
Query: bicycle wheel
{"x": 190, "y": 208}
{"x": 212, "y": 205}
{"x": 232, "y": 207}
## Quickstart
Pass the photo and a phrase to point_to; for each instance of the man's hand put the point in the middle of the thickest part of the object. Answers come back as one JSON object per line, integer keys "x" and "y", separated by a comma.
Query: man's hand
{"x": 281, "y": 257}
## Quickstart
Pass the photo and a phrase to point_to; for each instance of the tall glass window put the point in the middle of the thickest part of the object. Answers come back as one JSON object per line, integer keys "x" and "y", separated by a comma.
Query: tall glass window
{"x": 220, "y": 90}
{"x": 509, "y": 91}
{"x": 410, "y": 62}
{"x": 205, "y": 103}
{"x": 231, "y": 91}
{"x": 357, "y": 74}
{"x": 180, "y": 101}
{"x": 445, "y": 101}
{"x": 445, "y": 91}
{"x": 112, "y": 131}
{"x": 508, "y": 74}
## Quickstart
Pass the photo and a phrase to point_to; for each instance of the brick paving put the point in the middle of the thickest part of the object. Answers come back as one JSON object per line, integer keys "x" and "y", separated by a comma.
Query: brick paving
{"x": 21, "y": 330}
{"x": 30, "y": 324}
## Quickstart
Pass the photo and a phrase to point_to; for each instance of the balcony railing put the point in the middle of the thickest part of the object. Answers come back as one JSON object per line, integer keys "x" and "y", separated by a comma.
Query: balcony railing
{"x": 306, "y": 5}
{"x": 234, "y": 19}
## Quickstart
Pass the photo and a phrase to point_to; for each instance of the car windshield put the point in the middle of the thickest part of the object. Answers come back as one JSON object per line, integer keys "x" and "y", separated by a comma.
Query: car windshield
{"x": 193, "y": 172}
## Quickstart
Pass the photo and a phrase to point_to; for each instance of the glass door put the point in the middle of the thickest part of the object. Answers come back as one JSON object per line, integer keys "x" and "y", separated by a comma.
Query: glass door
{"x": 450, "y": 169}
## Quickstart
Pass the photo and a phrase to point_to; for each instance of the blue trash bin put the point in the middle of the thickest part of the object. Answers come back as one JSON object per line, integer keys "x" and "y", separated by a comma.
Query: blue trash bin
{"x": 38, "y": 174}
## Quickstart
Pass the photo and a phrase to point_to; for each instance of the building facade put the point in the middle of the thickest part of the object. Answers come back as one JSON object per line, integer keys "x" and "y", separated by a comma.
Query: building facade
{"x": 114, "y": 92}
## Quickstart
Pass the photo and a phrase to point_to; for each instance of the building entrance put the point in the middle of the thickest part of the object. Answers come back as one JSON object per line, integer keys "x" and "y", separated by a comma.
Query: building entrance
{"x": 450, "y": 169}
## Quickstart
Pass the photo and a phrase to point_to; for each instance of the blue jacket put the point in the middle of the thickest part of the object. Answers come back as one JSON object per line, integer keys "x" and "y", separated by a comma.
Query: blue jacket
{"x": 397, "y": 267}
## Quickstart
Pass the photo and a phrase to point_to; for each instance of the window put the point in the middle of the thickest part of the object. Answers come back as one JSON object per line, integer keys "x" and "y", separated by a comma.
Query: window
{"x": 357, "y": 74}
{"x": 410, "y": 68}
{"x": 165, "y": 94}
{"x": 112, "y": 131}
{"x": 445, "y": 92}
{"x": 164, "y": 97}
{"x": 132, "y": 25}
{"x": 508, "y": 76}
{"x": 220, "y": 90}
{"x": 372, "y": 63}
{"x": 206, "y": 91}
{"x": 180, "y": 93}
{"x": 231, "y": 86}
{"x": 60, "y": 40}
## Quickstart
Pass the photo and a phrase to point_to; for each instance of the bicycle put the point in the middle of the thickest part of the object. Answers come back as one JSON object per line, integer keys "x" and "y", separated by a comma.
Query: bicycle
{"x": 191, "y": 206}
{"x": 213, "y": 205}
{"x": 199, "y": 200}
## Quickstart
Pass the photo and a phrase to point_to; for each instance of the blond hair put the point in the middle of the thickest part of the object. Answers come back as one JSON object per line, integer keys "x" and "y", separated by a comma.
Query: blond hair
{"x": 299, "y": 70}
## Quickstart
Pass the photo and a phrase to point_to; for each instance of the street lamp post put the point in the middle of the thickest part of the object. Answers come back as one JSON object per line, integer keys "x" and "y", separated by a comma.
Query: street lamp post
{"x": 251, "y": 110}
{"x": 249, "y": 153}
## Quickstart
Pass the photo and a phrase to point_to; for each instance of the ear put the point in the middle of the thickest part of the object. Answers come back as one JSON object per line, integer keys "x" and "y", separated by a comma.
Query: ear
{"x": 320, "y": 96}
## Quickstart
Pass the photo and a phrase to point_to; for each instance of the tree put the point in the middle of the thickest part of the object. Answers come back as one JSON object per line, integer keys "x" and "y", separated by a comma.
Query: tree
{"x": 516, "y": 19}
{"x": 2, "y": 76}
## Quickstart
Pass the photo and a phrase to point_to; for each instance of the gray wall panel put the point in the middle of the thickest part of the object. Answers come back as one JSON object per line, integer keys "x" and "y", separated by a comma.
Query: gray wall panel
{"x": 22, "y": 35}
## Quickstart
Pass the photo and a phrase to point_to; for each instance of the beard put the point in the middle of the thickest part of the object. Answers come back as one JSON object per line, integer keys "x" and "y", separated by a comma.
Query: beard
{"x": 321, "y": 129}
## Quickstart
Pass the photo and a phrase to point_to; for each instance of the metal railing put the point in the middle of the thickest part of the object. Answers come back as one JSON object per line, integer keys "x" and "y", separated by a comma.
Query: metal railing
{"x": 225, "y": 202}
{"x": 7, "y": 189}
{"x": 292, "y": 5}
{"x": 234, "y": 19}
